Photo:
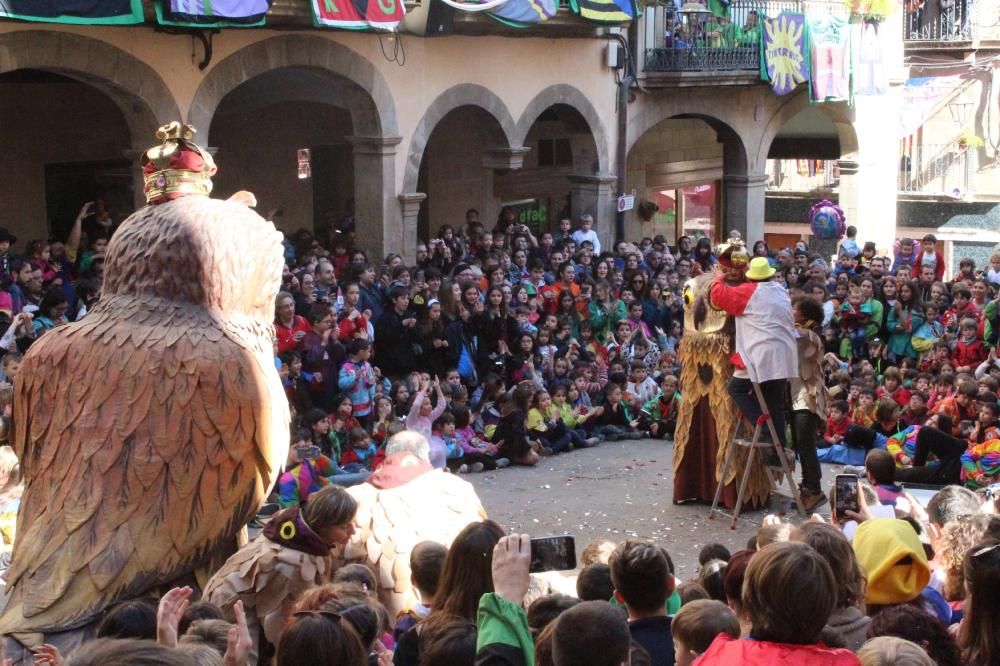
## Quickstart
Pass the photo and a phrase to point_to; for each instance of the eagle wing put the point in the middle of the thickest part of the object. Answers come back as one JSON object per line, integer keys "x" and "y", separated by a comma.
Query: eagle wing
{"x": 148, "y": 437}
{"x": 432, "y": 507}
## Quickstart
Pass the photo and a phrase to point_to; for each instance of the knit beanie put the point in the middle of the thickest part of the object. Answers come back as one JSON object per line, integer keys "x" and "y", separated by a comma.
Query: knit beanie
{"x": 882, "y": 547}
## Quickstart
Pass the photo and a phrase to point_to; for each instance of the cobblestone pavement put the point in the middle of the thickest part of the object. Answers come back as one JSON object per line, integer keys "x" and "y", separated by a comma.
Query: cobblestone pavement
{"x": 613, "y": 491}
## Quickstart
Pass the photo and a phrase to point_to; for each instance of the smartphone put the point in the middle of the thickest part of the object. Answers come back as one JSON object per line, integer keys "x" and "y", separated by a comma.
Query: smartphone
{"x": 320, "y": 293}
{"x": 553, "y": 553}
{"x": 846, "y": 489}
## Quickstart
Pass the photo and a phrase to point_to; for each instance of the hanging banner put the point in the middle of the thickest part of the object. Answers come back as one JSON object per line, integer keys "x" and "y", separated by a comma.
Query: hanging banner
{"x": 869, "y": 40}
{"x": 86, "y": 12}
{"x": 785, "y": 52}
{"x": 357, "y": 15}
{"x": 524, "y": 13}
{"x": 212, "y": 13}
{"x": 830, "y": 56}
{"x": 606, "y": 11}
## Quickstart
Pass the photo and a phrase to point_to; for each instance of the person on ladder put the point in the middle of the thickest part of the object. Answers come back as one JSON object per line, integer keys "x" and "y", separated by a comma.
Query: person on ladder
{"x": 766, "y": 352}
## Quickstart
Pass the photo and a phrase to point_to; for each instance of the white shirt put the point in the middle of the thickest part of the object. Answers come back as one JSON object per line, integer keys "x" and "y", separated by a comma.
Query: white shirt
{"x": 765, "y": 334}
{"x": 580, "y": 235}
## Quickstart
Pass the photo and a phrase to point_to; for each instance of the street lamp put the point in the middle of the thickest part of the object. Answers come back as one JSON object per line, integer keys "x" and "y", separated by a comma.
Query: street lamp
{"x": 960, "y": 112}
{"x": 692, "y": 15}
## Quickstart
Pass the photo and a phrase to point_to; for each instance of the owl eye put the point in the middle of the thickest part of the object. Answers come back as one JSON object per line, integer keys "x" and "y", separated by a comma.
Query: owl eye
{"x": 687, "y": 296}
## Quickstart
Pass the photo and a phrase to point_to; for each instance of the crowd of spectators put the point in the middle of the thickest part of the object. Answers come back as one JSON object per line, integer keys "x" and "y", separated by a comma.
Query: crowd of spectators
{"x": 502, "y": 346}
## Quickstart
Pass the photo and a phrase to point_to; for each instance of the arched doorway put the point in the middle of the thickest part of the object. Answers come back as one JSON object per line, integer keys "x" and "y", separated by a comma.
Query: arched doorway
{"x": 77, "y": 112}
{"x": 686, "y": 165}
{"x": 259, "y": 129}
{"x": 64, "y": 143}
{"x": 305, "y": 92}
{"x": 553, "y": 182}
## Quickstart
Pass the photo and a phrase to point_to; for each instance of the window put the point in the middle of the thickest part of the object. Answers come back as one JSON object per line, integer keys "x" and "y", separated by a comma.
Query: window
{"x": 555, "y": 153}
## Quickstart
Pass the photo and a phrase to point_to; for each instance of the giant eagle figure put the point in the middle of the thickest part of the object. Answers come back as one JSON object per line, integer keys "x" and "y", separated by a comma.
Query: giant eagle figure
{"x": 151, "y": 431}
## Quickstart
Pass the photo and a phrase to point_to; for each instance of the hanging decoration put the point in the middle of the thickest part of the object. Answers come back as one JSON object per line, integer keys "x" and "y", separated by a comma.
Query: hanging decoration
{"x": 877, "y": 10}
{"x": 524, "y": 13}
{"x": 607, "y": 11}
{"x": 785, "y": 52}
{"x": 212, "y": 13}
{"x": 870, "y": 41}
{"x": 80, "y": 12}
{"x": 830, "y": 59}
{"x": 358, "y": 14}
{"x": 827, "y": 220}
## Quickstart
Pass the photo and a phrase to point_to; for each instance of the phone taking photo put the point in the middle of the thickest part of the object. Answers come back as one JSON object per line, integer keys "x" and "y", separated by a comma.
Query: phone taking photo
{"x": 846, "y": 489}
{"x": 553, "y": 553}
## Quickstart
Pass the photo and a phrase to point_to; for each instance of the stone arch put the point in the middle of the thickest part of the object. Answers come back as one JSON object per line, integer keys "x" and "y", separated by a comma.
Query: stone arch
{"x": 135, "y": 87}
{"x": 562, "y": 93}
{"x": 463, "y": 94}
{"x": 302, "y": 51}
{"x": 735, "y": 151}
{"x": 841, "y": 115}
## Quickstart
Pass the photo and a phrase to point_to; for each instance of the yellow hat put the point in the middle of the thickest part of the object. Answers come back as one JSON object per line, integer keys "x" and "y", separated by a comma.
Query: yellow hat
{"x": 760, "y": 269}
{"x": 890, "y": 554}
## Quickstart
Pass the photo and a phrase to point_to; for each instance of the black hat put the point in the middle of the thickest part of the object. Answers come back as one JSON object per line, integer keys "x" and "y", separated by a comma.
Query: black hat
{"x": 7, "y": 236}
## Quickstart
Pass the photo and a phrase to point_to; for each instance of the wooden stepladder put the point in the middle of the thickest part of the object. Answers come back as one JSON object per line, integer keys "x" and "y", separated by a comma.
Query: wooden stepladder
{"x": 785, "y": 468}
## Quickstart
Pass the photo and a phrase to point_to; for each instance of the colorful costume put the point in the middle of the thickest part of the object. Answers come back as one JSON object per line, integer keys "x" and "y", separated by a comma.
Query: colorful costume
{"x": 981, "y": 464}
{"x": 707, "y": 417}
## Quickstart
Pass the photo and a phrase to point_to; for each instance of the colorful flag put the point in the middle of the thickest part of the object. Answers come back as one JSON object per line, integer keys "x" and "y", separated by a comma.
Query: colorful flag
{"x": 606, "y": 11}
{"x": 91, "y": 12}
{"x": 358, "y": 14}
{"x": 869, "y": 44}
{"x": 785, "y": 52}
{"x": 212, "y": 13}
{"x": 830, "y": 55}
{"x": 522, "y": 13}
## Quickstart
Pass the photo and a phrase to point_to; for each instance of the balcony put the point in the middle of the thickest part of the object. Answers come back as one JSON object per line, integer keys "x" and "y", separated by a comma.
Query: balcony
{"x": 683, "y": 48}
{"x": 936, "y": 169}
{"x": 934, "y": 22}
{"x": 803, "y": 176}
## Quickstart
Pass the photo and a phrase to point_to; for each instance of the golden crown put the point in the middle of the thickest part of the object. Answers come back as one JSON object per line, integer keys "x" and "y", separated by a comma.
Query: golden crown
{"x": 178, "y": 166}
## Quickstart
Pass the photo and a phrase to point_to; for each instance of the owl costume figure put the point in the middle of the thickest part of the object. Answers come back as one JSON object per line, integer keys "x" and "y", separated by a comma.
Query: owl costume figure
{"x": 707, "y": 419}
{"x": 150, "y": 432}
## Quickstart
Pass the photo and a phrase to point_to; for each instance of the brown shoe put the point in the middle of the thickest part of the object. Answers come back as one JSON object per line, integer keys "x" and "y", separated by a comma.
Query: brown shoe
{"x": 811, "y": 500}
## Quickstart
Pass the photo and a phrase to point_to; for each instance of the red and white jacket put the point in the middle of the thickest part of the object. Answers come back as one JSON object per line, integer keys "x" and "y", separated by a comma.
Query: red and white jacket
{"x": 765, "y": 328}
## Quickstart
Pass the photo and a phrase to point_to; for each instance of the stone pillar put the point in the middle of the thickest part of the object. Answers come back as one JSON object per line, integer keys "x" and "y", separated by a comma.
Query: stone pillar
{"x": 409, "y": 206}
{"x": 376, "y": 216}
{"x": 134, "y": 156}
{"x": 595, "y": 195}
{"x": 743, "y": 205}
{"x": 876, "y": 181}
{"x": 848, "y": 189}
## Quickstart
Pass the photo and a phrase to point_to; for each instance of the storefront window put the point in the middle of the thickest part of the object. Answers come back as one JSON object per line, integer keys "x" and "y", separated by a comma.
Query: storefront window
{"x": 691, "y": 210}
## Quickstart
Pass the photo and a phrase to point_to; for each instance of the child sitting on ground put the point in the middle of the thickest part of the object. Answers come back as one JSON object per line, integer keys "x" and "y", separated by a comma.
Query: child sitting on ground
{"x": 577, "y": 419}
{"x": 881, "y": 471}
{"x": 360, "y": 452}
{"x": 837, "y": 423}
{"x": 446, "y": 438}
{"x": 863, "y": 413}
{"x": 659, "y": 414}
{"x": 474, "y": 448}
{"x": 616, "y": 422}
{"x": 697, "y": 624}
{"x": 641, "y": 386}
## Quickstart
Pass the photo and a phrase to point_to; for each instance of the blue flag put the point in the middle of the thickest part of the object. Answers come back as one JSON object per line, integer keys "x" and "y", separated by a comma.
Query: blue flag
{"x": 216, "y": 13}
{"x": 91, "y": 12}
{"x": 522, "y": 13}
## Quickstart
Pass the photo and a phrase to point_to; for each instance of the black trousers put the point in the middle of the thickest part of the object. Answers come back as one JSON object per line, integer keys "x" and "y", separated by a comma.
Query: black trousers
{"x": 805, "y": 425}
{"x": 745, "y": 398}
{"x": 948, "y": 450}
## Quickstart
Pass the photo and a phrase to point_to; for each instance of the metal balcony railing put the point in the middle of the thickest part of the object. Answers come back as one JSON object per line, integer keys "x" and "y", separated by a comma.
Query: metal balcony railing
{"x": 804, "y": 175}
{"x": 941, "y": 21}
{"x": 935, "y": 169}
{"x": 679, "y": 41}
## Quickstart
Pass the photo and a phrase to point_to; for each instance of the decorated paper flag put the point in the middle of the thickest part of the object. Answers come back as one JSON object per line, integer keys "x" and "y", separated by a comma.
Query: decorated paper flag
{"x": 785, "y": 52}
{"x": 829, "y": 41}
{"x": 522, "y": 13}
{"x": 337, "y": 14}
{"x": 359, "y": 14}
{"x": 212, "y": 12}
{"x": 381, "y": 14}
{"x": 606, "y": 11}
{"x": 868, "y": 48}
{"x": 92, "y": 12}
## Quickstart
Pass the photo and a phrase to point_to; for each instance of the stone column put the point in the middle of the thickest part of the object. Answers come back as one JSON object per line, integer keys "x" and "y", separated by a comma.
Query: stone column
{"x": 743, "y": 205}
{"x": 848, "y": 189}
{"x": 134, "y": 156}
{"x": 376, "y": 216}
{"x": 409, "y": 206}
{"x": 595, "y": 195}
